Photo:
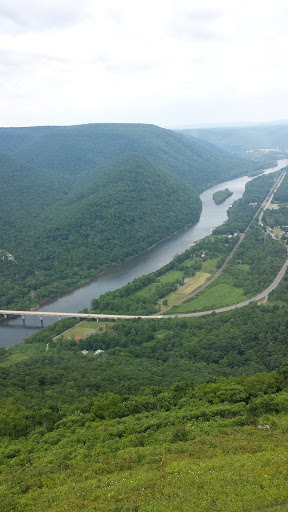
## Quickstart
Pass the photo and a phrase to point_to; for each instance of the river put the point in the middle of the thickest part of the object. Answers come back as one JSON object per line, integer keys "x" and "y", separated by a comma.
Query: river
{"x": 13, "y": 331}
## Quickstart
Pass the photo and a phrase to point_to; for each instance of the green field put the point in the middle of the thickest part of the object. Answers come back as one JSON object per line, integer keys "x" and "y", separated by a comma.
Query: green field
{"x": 210, "y": 266}
{"x": 83, "y": 329}
{"x": 185, "y": 289}
{"x": 21, "y": 352}
{"x": 273, "y": 206}
{"x": 219, "y": 294}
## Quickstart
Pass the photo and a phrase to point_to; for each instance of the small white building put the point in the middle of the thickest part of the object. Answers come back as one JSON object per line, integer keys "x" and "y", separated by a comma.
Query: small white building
{"x": 85, "y": 352}
{"x": 98, "y": 352}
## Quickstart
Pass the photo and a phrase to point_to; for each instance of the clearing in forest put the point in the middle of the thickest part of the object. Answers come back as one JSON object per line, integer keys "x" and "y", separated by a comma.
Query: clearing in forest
{"x": 84, "y": 329}
{"x": 186, "y": 288}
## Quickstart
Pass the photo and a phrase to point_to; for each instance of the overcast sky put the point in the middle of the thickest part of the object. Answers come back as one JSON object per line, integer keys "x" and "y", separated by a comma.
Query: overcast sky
{"x": 172, "y": 63}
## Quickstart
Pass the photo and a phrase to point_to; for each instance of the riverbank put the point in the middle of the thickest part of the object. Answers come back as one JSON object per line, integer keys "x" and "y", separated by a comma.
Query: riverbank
{"x": 13, "y": 331}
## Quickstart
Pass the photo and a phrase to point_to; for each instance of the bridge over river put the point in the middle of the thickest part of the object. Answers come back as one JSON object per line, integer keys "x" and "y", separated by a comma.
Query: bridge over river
{"x": 261, "y": 297}
{"x": 98, "y": 316}
{"x": 93, "y": 316}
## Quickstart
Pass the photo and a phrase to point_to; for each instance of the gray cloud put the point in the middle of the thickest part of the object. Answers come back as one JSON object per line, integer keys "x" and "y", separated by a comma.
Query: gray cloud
{"x": 41, "y": 14}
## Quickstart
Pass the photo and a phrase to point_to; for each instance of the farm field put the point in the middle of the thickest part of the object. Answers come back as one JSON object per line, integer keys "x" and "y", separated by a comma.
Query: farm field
{"x": 84, "y": 329}
{"x": 219, "y": 294}
{"x": 192, "y": 284}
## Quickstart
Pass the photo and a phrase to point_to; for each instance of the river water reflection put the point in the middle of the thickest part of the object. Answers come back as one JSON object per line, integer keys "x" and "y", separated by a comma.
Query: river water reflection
{"x": 13, "y": 331}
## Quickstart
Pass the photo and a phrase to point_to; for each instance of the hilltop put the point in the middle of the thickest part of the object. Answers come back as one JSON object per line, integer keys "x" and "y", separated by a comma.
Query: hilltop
{"x": 74, "y": 150}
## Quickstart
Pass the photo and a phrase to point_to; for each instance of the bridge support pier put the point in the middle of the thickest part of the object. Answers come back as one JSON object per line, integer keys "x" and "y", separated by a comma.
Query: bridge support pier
{"x": 5, "y": 317}
{"x": 41, "y": 320}
{"x": 23, "y": 319}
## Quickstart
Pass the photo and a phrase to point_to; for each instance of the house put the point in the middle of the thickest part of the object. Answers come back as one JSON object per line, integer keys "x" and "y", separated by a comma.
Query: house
{"x": 85, "y": 352}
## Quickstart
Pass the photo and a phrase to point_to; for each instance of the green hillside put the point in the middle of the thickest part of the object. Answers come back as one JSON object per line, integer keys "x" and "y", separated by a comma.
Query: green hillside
{"x": 64, "y": 237}
{"x": 242, "y": 139}
{"x": 173, "y": 413}
{"x": 83, "y": 149}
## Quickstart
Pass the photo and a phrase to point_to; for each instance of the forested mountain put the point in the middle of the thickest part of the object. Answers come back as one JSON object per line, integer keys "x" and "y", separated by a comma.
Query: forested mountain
{"x": 76, "y": 200}
{"x": 129, "y": 208}
{"x": 84, "y": 149}
{"x": 245, "y": 138}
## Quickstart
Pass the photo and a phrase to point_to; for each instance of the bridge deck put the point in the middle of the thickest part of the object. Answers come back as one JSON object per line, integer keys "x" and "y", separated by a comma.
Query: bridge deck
{"x": 69, "y": 315}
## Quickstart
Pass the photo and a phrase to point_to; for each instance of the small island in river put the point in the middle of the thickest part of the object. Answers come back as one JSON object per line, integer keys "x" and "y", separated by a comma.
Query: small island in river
{"x": 221, "y": 195}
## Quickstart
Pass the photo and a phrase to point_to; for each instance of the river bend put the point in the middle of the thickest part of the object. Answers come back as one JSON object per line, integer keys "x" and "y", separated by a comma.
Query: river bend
{"x": 12, "y": 331}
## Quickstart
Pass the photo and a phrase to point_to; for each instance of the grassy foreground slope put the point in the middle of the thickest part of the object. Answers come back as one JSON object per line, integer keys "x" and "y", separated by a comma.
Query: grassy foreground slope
{"x": 219, "y": 445}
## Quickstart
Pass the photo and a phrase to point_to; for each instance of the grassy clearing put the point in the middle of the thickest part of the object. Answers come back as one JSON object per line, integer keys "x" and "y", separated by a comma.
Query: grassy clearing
{"x": 276, "y": 231}
{"x": 21, "y": 352}
{"x": 273, "y": 206}
{"x": 219, "y": 294}
{"x": 210, "y": 266}
{"x": 186, "y": 288}
{"x": 83, "y": 329}
{"x": 171, "y": 276}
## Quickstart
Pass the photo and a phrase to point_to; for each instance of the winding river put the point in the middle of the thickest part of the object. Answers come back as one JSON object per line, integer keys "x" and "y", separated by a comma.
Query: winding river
{"x": 13, "y": 331}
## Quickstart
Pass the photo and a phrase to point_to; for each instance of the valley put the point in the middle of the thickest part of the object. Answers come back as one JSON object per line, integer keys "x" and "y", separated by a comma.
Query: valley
{"x": 13, "y": 331}
{"x": 187, "y": 408}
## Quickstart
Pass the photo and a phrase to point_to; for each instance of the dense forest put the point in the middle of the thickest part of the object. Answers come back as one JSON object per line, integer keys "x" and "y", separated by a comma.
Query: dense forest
{"x": 83, "y": 150}
{"x": 277, "y": 215}
{"x": 131, "y": 207}
{"x": 281, "y": 194}
{"x": 77, "y": 200}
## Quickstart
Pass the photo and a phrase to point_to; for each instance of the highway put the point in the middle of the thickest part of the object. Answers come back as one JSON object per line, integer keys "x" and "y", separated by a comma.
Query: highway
{"x": 100, "y": 316}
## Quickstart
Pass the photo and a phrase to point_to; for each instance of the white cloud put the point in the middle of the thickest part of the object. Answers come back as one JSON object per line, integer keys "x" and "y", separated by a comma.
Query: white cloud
{"x": 162, "y": 62}
{"x": 195, "y": 24}
{"x": 40, "y": 14}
